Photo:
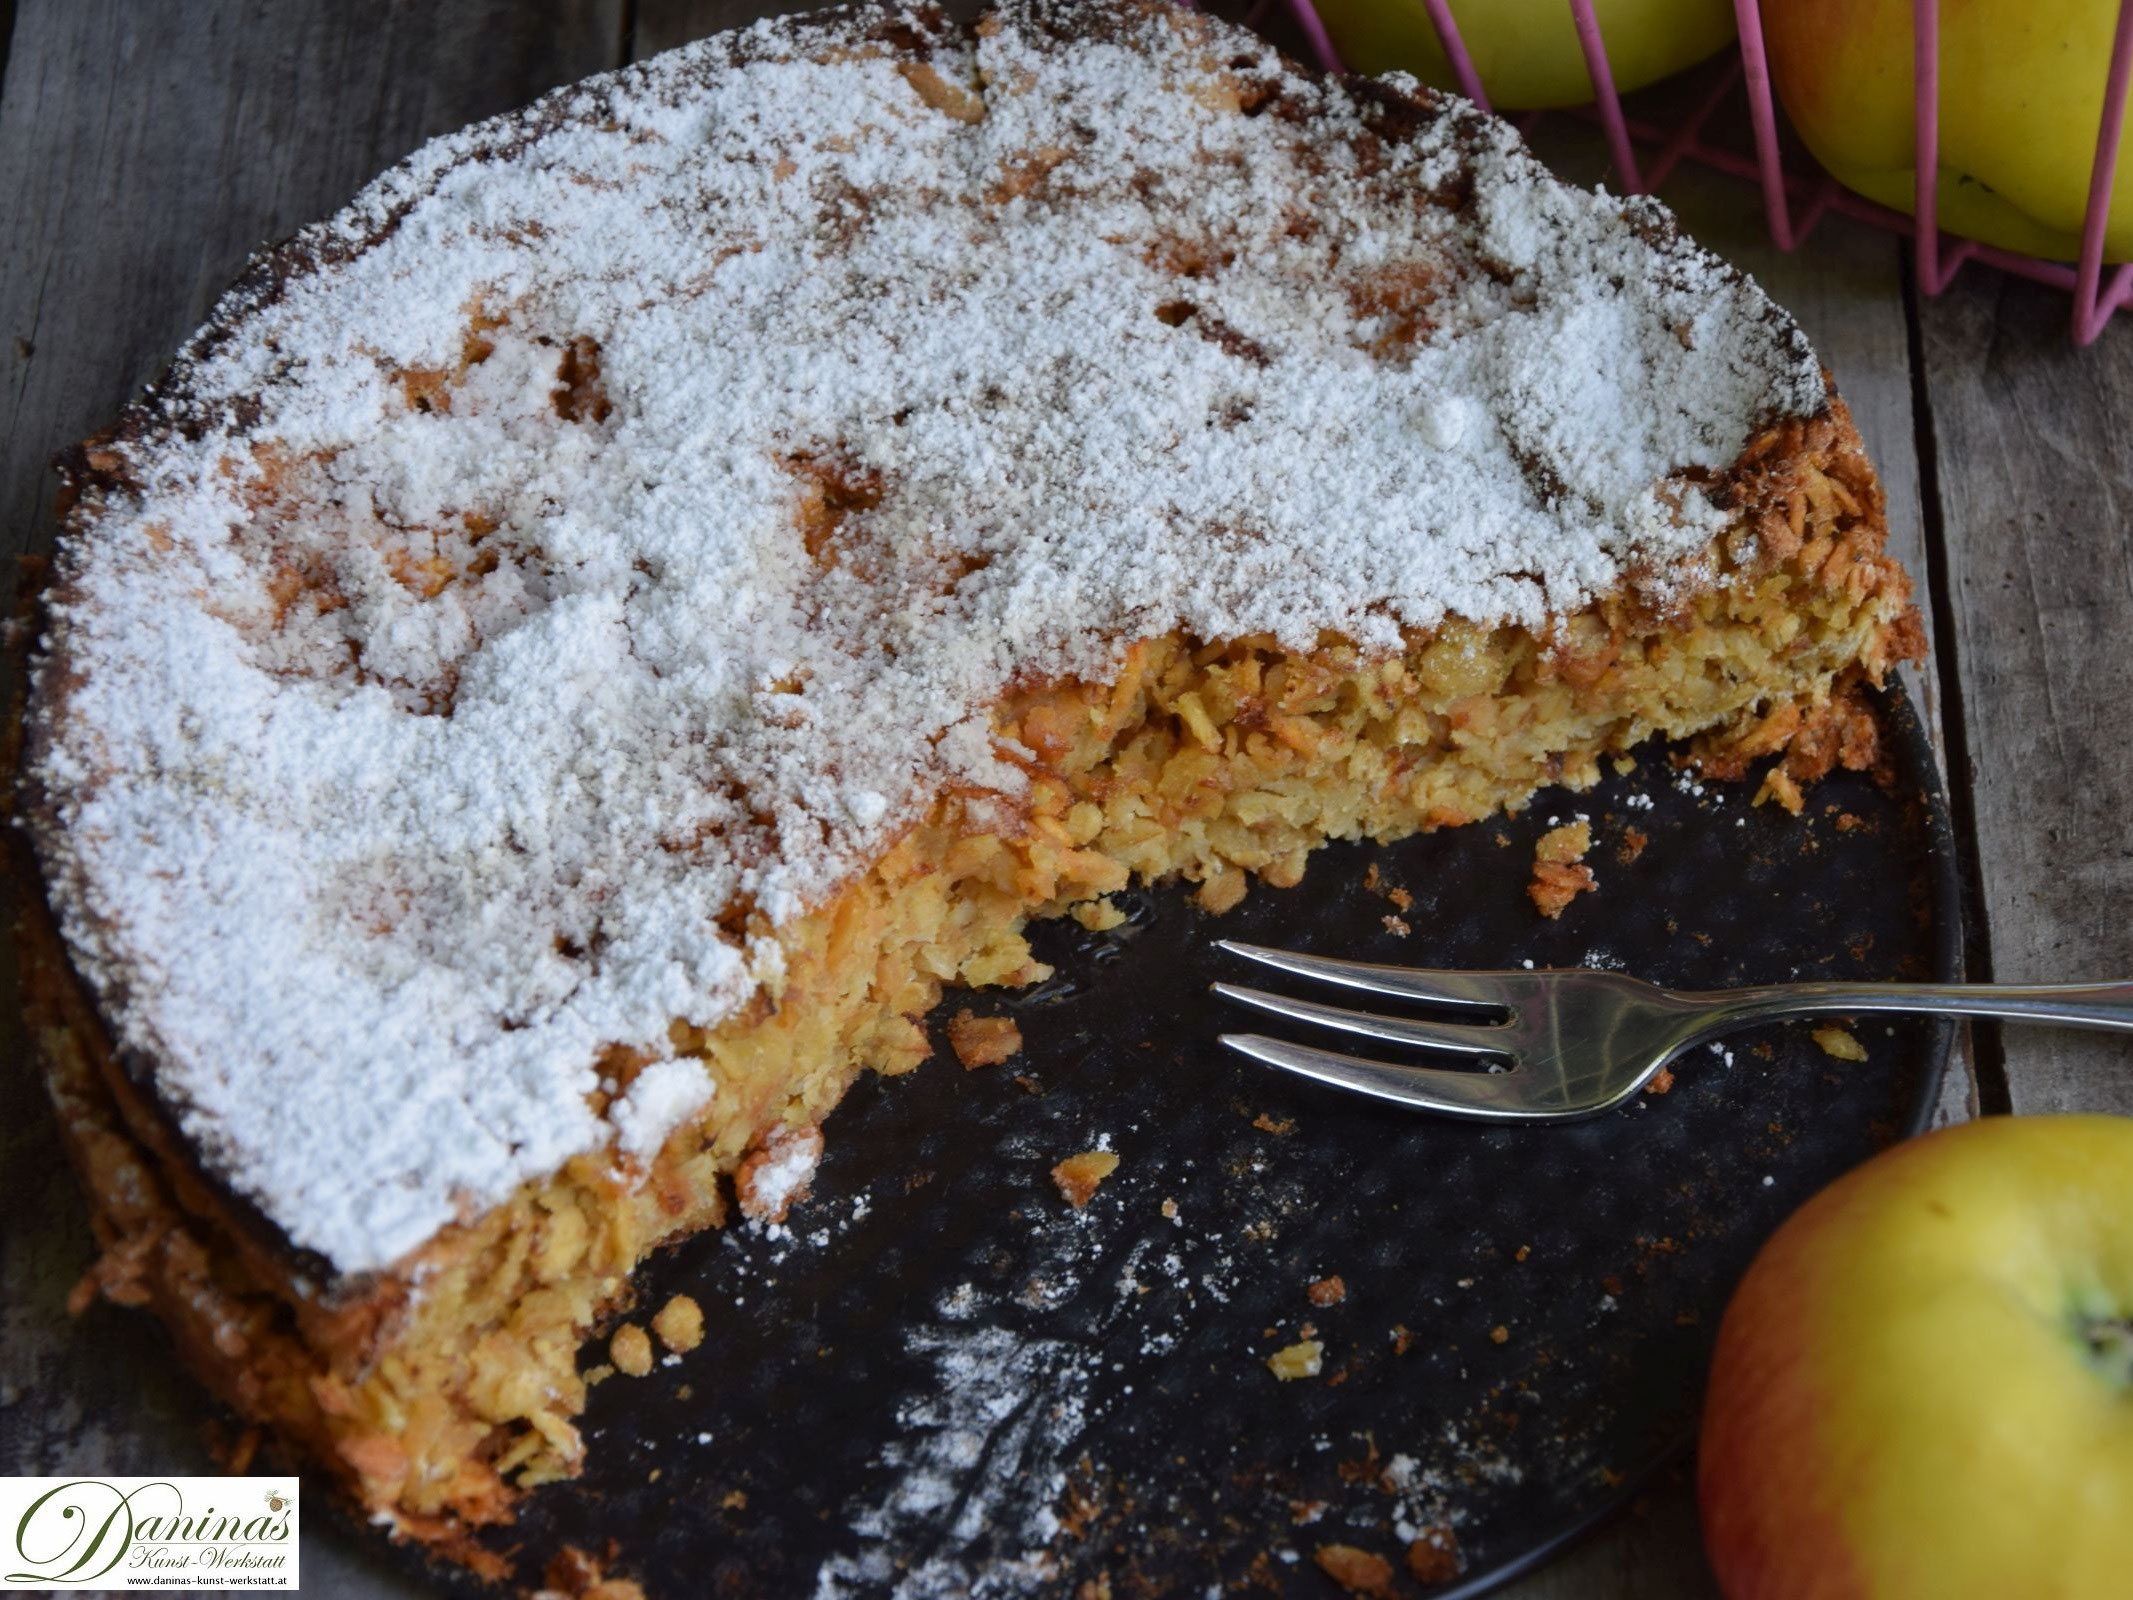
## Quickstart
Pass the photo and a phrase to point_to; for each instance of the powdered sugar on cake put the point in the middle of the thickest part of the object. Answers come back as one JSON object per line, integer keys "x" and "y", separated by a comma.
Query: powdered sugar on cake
{"x": 629, "y": 509}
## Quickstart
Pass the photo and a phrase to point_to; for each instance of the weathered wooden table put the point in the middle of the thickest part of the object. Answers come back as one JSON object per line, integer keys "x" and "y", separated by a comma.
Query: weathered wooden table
{"x": 147, "y": 148}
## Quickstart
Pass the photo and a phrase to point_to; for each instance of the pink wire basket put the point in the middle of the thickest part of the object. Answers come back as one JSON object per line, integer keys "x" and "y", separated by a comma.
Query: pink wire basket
{"x": 1793, "y": 202}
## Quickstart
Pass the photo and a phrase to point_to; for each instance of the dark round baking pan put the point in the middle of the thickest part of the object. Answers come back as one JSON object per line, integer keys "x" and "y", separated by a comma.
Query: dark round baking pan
{"x": 939, "y": 1378}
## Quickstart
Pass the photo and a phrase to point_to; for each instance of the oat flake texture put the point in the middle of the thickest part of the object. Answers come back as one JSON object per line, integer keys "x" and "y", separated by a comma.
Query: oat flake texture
{"x": 635, "y": 504}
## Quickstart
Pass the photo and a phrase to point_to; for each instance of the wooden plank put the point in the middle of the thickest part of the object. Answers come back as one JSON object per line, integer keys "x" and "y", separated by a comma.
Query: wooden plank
{"x": 663, "y": 24}
{"x": 145, "y": 150}
{"x": 2035, "y": 480}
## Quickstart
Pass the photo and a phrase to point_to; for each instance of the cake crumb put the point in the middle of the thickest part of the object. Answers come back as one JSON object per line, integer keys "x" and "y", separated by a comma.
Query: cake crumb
{"x": 1402, "y": 1338}
{"x": 1661, "y": 1082}
{"x": 1559, "y": 872}
{"x": 778, "y": 1172}
{"x": 1779, "y": 787}
{"x": 1358, "y": 1571}
{"x": 1306, "y": 1358}
{"x": 1401, "y": 899}
{"x": 1836, "y": 1041}
{"x": 631, "y": 1350}
{"x": 1499, "y": 1334}
{"x": 1633, "y": 842}
{"x": 1564, "y": 844}
{"x": 1396, "y": 926}
{"x": 1327, "y": 1291}
{"x": 1078, "y": 1176}
{"x": 1099, "y": 915}
{"x": 734, "y": 1500}
{"x": 1170, "y": 1210}
{"x": 1434, "y": 1556}
{"x": 1222, "y": 890}
{"x": 1624, "y": 766}
{"x": 1522, "y": 1252}
{"x": 983, "y": 1041}
{"x": 1274, "y": 1125}
{"x": 680, "y": 1324}
{"x": 576, "y": 1574}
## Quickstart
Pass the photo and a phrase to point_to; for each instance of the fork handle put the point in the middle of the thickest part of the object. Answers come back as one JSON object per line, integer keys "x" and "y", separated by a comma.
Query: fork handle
{"x": 2078, "y": 1005}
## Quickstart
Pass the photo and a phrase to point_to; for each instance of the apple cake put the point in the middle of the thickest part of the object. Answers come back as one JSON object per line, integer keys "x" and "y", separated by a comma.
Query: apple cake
{"x": 590, "y": 641}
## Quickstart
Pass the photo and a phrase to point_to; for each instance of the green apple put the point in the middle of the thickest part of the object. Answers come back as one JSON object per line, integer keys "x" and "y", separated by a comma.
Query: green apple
{"x": 2021, "y": 93}
{"x": 1527, "y": 51}
{"x": 1924, "y": 1385}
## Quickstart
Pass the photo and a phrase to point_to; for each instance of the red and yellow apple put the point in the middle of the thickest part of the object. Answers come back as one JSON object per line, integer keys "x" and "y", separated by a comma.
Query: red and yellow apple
{"x": 1526, "y": 51}
{"x": 1924, "y": 1385}
{"x": 2021, "y": 93}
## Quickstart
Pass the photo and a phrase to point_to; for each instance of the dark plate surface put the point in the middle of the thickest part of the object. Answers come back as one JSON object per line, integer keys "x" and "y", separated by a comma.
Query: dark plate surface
{"x": 941, "y": 1380}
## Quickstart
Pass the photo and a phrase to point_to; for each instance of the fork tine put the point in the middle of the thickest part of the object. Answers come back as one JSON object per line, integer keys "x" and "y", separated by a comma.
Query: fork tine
{"x": 1486, "y": 1096}
{"x": 1487, "y": 1038}
{"x": 1413, "y": 983}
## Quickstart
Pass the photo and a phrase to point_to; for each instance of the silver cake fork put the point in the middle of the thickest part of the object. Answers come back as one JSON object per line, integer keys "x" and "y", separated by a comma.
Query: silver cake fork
{"x": 1572, "y": 1042}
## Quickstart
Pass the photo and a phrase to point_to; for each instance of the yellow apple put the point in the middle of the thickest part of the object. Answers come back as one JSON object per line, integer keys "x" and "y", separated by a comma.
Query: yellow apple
{"x": 1924, "y": 1386}
{"x": 1527, "y": 51}
{"x": 2021, "y": 93}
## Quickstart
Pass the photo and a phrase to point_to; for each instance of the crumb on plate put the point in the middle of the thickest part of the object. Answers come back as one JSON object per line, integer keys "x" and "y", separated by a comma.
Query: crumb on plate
{"x": 1306, "y": 1358}
{"x": 1358, "y": 1571}
{"x": 680, "y": 1324}
{"x": 1559, "y": 871}
{"x": 983, "y": 1041}
{"x": 1078, "y": 1176}
{"x": 631, "y": 1350}
{"x": 1434, "y": 1557}
{"x": 1100, "y": 915}
{"x": 1839, "y": 1042}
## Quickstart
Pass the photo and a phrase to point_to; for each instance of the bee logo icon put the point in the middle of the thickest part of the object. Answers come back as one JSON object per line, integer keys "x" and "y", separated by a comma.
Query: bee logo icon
{"x": 275, "y": 1502}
